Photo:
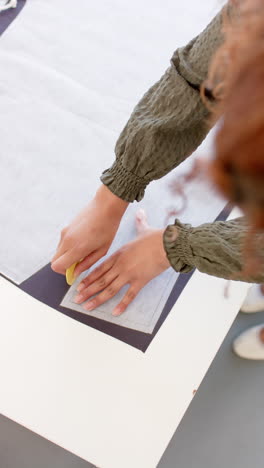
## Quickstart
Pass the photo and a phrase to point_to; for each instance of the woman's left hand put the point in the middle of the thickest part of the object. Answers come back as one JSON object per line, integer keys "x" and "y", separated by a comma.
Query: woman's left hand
{"x": 135, "y": 263}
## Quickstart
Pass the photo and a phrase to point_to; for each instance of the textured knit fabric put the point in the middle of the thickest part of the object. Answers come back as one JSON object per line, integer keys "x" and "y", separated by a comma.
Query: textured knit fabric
{"x": 165, "y": 127}
{"x": 213, "y": 248}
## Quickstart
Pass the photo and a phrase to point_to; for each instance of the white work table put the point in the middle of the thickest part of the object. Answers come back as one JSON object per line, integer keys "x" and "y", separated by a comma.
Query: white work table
{"x": 97, "y": 397}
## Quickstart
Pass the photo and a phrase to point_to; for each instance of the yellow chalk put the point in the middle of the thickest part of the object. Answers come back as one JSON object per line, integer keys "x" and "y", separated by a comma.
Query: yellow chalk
{"x": 70, "y": 273}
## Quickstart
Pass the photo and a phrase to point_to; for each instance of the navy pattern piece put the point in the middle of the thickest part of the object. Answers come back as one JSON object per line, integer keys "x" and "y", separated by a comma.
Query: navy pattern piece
{"x": 50, "y": 288}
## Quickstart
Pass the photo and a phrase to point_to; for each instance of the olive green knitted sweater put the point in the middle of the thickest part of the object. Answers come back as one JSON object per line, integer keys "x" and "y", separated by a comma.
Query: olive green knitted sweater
{"x": 165, "y": 127}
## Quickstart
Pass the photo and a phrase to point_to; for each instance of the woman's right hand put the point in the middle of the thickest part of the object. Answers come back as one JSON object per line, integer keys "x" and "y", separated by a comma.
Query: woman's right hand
{"x": 90, "y": 234}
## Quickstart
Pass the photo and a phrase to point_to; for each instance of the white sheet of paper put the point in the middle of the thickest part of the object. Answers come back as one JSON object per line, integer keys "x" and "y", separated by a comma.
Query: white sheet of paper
{"x": 143, "y": 313}
{"x": 71, "y": 75}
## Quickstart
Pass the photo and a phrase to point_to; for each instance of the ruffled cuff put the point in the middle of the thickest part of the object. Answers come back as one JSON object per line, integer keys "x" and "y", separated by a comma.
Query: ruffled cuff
{"x": 124, "y": 183}
{"x": 176, "y": 242}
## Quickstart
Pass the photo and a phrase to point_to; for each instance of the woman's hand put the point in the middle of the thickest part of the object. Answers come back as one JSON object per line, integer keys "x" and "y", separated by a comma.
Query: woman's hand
{"x": 90, "y": 234}
{"x": 135, "y": 263}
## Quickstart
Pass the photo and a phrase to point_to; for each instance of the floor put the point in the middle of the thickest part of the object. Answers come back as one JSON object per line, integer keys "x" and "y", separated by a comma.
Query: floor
{"x": 223, "y": 425}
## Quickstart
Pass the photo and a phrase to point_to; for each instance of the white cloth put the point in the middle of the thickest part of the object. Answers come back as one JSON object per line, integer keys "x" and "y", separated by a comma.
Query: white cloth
{"x": 70, "y": 78}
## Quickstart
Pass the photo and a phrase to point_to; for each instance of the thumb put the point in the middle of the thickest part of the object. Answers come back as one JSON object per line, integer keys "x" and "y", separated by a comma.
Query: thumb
{"x": 65, "y": 261}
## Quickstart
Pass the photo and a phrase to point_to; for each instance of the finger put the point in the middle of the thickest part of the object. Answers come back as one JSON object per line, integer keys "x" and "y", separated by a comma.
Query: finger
{"x": 61, "y": 249}
{"x": 127, "y": 299}
{"x": 88, "y": 261}
{"x": 109, "y": 292}
{"x": 59, "y": 252}
{"x": 97, "y": 272}
{"x": 65, "y": 261}
{"x": 102, "y": 283}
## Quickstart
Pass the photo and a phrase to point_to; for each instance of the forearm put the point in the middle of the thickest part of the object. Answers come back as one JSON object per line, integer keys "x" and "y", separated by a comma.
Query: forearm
{"x": 213, "y": 248}
{"x": 117, "y": 206}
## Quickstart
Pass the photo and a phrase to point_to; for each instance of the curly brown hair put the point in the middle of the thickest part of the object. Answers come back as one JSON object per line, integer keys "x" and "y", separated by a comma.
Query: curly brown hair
{"x": 236, "y": 78}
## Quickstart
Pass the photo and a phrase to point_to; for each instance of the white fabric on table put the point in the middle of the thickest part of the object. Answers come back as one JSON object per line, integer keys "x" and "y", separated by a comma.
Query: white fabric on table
{"x": 70, "y": 78}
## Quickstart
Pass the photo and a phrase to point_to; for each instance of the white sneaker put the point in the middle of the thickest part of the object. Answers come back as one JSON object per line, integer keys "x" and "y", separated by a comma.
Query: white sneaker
{"x": 254, "y": 301}
{"x": 250, "y": 344}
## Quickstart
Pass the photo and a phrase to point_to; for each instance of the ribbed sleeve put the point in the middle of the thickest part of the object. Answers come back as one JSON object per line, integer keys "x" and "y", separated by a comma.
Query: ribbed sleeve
{"x": 167, "y": 124}
{"x": 213, "y": 248}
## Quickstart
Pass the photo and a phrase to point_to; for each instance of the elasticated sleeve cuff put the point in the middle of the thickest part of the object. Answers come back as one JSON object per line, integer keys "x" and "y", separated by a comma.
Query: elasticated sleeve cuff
{"x": 176, "y": 242}
{"x": 124, "y": 183}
